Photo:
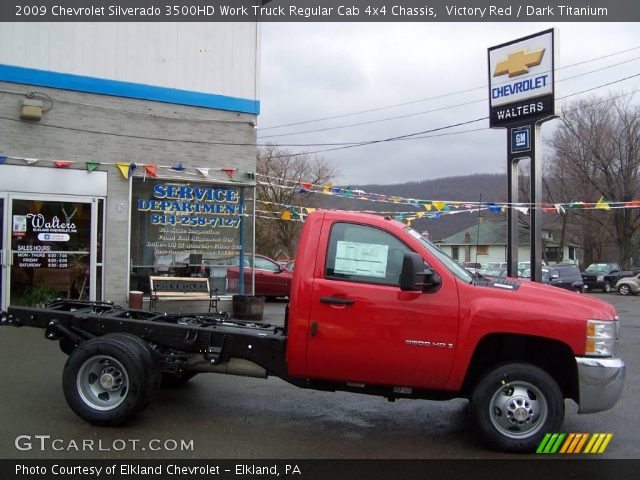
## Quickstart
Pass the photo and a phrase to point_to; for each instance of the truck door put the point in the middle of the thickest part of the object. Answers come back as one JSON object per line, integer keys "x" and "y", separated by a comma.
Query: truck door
{"x": 364, "y": 329}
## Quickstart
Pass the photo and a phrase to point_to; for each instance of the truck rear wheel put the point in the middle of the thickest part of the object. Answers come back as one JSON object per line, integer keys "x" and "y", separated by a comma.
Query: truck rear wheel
{"x": 607, "y": 287}
{"x": 105, "y": 380}
{"x": 514, "y": 405}
{"x": 150, "y": 358}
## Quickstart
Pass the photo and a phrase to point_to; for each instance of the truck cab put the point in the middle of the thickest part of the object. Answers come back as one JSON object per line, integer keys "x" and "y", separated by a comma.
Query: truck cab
{"x": 356, "y": 323}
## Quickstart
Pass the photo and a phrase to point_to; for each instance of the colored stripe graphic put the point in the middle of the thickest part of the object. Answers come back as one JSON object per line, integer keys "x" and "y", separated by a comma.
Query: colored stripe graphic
{"x": 573, "y": 443}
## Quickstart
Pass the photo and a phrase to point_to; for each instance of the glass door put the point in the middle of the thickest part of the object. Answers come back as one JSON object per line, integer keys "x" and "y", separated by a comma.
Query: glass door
{"x": 52, "y": 249}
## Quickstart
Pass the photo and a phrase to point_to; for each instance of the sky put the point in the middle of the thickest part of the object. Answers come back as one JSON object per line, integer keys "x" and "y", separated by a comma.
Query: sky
{"x": 311, "y": 71}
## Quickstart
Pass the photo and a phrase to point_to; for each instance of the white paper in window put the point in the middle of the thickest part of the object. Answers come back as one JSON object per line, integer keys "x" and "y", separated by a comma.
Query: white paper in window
{"x": 363, "y": 259}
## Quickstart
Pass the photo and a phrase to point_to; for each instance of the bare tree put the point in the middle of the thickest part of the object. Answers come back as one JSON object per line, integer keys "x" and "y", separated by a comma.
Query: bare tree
{"x": 280, "y": 187}
{"x": 597, "y": 151}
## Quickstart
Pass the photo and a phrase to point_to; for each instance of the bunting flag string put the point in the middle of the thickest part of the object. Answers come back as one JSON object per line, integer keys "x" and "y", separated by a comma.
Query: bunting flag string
{"x": 424, "y": 208}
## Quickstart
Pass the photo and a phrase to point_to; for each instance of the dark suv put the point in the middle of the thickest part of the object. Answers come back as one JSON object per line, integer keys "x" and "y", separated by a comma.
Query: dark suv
{"x": 562, "y": 275}
{"x": 567, "y": 276}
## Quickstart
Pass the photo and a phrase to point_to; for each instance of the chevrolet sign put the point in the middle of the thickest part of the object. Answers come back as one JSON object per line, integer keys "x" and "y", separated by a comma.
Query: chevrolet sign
{"x": 521, "y": 80}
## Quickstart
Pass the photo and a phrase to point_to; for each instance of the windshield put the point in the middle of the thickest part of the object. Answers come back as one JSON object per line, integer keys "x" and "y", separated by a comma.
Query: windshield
{"x": 445, "y": 259}
{"x": 597, "y": 268}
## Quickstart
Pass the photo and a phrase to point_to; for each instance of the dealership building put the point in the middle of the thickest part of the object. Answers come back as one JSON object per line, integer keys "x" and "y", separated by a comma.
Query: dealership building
{"x": 126, "y": 150}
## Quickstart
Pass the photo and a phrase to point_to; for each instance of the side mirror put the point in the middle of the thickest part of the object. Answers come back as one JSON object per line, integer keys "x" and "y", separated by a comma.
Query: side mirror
{"x": 415, "y": 276}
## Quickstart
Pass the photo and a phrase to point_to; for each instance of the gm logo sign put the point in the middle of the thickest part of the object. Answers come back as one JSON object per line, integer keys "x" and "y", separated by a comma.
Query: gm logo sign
{"x": 520, "y": 139}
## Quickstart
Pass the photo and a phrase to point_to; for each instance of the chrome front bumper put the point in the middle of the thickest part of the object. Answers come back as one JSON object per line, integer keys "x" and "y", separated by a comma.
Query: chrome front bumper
{"x": 600, "y": 382}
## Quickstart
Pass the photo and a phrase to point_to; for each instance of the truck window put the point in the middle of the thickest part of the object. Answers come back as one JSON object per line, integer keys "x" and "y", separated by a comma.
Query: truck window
{"x": 365, "y": 254}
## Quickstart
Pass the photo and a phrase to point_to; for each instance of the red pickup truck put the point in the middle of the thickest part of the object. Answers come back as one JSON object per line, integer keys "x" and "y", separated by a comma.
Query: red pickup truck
{"x": 375, "y": 309}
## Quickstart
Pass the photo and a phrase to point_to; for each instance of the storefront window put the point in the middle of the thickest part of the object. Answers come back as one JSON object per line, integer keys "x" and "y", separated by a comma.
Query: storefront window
{"x": 50, "y": 244}
{"x": 188, "y": 229}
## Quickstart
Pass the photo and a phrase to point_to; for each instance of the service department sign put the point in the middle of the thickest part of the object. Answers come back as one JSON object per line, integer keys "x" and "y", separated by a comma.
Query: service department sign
{"x": 521, "y": 80}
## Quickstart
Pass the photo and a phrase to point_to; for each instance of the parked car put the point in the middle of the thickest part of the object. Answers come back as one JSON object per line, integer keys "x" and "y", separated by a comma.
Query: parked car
{"x": 494, "y": 265}
{"x": 272, "y": 280}
{"x": 602, "y": 276}
{"x": 472, "y": 267}
{"x": 567, "y": 276}
{"x": 522, "y": 266}
{"x": 493, "y": 272}
{"x": 628, "y": 285}
{"x": 562, "y": 275}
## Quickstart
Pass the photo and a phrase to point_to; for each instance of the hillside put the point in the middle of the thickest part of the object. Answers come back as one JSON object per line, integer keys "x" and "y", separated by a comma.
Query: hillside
{"x": 471, "y": 188}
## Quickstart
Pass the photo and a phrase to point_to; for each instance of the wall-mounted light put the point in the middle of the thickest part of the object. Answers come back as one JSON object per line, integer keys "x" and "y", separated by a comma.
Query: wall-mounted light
{"x": 30, "y": 109}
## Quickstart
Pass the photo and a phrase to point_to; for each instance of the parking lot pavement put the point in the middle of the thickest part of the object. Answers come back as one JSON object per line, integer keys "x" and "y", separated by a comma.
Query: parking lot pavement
{"x": 222, "y": 416}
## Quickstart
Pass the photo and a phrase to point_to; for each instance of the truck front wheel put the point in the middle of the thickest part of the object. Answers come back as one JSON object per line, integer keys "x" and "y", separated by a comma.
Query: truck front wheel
{"x": 105, "y": 381}
{"x": 514, "y": 405}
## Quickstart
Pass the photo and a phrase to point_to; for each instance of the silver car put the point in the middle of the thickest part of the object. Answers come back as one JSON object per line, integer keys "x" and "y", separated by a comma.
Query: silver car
{"x": 628, "y": 285}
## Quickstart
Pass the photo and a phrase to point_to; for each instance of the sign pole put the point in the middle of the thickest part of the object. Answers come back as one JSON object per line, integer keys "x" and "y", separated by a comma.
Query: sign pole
{"x": 521, "y": 98}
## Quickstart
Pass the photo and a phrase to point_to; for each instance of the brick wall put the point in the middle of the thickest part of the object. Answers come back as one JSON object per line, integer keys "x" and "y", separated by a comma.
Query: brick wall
{"x": 62, "y": 135}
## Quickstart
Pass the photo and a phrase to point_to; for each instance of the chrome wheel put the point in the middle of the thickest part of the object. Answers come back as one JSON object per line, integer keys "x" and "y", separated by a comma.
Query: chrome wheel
{"x": 102, "y": 382}
{"x": 607, "y": 287}
{"x": 518, "y": 410}
{"x": 624, "y": 289}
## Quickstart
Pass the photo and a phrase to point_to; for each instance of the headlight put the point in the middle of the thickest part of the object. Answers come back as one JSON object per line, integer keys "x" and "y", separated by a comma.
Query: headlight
{"x": 602, "y": 337}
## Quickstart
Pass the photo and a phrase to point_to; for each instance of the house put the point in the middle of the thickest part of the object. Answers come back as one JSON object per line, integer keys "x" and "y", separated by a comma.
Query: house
{"x": 487, "y": 242}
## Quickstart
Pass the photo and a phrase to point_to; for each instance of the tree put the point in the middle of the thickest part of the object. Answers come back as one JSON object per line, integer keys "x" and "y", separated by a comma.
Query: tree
{"x": 280, "y": 177}
{"x": 597, "y": 151}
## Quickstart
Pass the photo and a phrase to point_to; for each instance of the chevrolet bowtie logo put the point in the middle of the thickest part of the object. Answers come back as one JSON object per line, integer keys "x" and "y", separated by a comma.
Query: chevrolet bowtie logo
{"x": 518, "y": 63}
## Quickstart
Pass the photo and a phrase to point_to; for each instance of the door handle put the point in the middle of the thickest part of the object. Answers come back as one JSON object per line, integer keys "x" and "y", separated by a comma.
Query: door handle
{"x": 338, "y": 301}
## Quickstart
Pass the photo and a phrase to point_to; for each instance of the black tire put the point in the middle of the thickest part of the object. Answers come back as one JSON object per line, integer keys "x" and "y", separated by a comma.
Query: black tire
{"x": 177, "y": 379}
{"x": 624, "y": 289}
{"x": 150, "y": 358}
{"x": 515, "y": 405}
{"x": 105, "y": 381}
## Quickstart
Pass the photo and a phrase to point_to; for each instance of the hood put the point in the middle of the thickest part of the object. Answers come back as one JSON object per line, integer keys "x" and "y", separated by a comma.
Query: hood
{"x": 576, "y": 304}
{"x": 522, "y": 307}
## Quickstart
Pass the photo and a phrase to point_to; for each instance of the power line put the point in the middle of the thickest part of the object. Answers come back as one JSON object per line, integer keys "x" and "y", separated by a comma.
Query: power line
{"x": 434, "y": 97}
{"x": 338, "y": 146}
{"x": 415, "y": 136}
{"x": 398, "y": 117}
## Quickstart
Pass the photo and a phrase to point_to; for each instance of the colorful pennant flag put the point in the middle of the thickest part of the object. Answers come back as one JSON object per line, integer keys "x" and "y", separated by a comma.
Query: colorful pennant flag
{"x": 91, "y": 166}
{"x": 286, "y": 215}
{"x": 2, "y": 160}
{"x": 124, "y": 169}
{"x": 62, "y": 163}
{"x": 203, "y": 171}
{"x": 229, "y": 172}
{"x": 602, "y": 204}
{"x": 151, "y": 170}
{"x": 30, "y": 161}
{"x": 178, "y": 168}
